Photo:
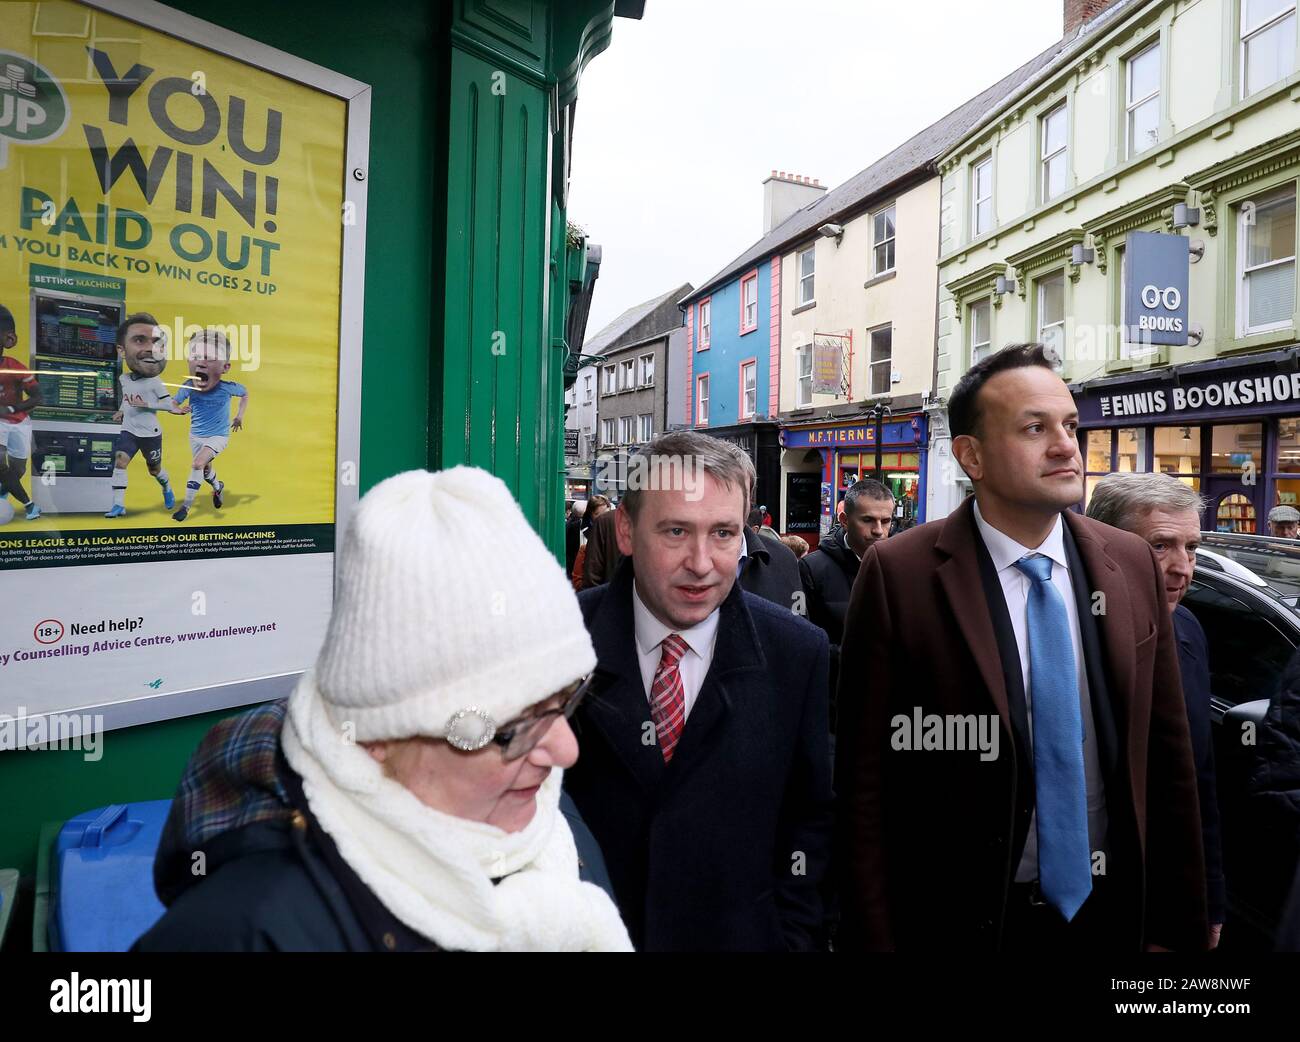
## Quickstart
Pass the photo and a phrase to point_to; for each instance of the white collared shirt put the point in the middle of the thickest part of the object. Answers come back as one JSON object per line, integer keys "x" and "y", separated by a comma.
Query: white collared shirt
{"x": 844, "y": 538}
{"x": 694, "y": 666}
{"x": 1005, "y": 552}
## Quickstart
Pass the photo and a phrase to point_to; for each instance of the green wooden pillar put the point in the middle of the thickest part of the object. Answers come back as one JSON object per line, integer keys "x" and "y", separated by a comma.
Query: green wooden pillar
{"x": 498, "y": 399}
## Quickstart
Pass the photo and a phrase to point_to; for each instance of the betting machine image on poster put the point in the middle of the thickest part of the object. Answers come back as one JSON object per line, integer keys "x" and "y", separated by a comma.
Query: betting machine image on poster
{"x": 178, "y": 235}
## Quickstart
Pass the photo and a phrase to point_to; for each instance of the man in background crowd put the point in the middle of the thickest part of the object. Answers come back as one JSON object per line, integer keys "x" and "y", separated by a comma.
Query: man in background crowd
{"x": 767, "y": 567}
{"x": 828, "y": 572}
{"x": 1284, "y": 522}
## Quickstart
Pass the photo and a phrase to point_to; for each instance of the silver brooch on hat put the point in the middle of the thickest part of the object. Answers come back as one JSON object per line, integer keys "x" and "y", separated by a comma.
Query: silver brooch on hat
{"x": 469, "y": 730}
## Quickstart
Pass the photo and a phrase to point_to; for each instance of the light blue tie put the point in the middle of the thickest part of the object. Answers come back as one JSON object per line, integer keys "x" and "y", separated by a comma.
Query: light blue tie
{"x": 1064, "y": 860}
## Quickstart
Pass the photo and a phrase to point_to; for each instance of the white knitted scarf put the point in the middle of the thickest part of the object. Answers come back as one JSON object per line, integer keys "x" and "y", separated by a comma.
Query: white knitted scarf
{"x": 434, "y": 871}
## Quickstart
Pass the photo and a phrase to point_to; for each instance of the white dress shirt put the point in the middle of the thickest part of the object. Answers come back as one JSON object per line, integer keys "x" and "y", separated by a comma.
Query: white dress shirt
{"x": 694, "y": 666}
{"x": 1005, "y": 552}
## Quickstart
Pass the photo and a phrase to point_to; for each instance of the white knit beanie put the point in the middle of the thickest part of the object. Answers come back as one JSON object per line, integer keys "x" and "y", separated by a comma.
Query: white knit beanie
{"x": 446, "y": 600}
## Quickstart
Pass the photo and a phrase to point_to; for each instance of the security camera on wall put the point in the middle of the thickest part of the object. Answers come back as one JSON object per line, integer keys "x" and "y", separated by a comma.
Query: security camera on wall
{"x": 831, "y": 231}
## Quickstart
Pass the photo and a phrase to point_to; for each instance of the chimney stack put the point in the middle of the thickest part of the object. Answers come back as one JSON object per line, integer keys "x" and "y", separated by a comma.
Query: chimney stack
{"x": 784, "y": 193}
{"x": 1079, "y": 11}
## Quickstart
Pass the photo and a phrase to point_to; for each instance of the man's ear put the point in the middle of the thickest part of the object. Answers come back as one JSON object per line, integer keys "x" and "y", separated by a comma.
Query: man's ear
{"x": 8, "y": 340}
{"x": 966, "y": 450}
{"x": 623, "y": 530}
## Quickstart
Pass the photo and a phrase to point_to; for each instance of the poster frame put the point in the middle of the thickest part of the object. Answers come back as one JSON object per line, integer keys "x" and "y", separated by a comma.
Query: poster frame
{"x": 356, "y": 96}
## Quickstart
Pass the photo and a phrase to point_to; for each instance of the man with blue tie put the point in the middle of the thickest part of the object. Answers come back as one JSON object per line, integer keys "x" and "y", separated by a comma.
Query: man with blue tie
{"x": 704, "y": 771}
{"x": 1079, "y": 828}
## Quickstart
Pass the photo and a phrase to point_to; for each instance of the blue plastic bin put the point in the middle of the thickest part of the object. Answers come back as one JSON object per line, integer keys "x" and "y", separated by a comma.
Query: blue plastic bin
{"x": 102, "y": 887}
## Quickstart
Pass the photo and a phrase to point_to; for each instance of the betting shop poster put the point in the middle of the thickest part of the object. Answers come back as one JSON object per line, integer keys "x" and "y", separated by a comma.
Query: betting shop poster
{"x": 167, "y": 517}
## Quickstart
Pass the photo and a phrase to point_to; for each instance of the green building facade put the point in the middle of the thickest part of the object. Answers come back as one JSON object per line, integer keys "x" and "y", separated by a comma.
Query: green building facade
{"x": 468, "y": 279}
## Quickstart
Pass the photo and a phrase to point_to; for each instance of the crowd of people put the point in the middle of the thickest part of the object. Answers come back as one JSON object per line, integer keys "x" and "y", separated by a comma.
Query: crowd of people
{"x": 987, "y": 732}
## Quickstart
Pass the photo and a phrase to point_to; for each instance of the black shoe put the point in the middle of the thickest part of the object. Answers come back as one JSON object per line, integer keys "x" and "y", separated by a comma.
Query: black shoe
{"x": 217, "y": 490}
{"x": 182, "y": 513}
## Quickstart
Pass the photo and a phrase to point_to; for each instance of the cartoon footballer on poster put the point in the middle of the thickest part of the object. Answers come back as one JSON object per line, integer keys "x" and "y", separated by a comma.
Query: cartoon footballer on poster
{"x": 206, "y": 397}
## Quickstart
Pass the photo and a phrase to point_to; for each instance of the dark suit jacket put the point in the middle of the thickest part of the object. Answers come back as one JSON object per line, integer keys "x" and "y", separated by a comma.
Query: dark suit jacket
{"x": 931, "y": 840}
{"x": 827, "y": 575}
{"x": 1194, "y": 666}
{"x": 725, "y": 847}
{"x": 771, "y": 570}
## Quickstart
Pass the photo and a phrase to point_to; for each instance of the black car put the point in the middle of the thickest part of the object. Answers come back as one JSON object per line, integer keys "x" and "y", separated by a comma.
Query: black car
{"x": 1245, "y": 593}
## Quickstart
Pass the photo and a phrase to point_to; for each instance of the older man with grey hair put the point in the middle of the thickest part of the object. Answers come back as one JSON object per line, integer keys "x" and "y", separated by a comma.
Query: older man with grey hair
{"x": 1167, "y": 514}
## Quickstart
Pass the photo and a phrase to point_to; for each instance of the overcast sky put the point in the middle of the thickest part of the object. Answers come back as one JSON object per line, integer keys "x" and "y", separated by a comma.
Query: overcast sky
{"x": 690, "y": 108}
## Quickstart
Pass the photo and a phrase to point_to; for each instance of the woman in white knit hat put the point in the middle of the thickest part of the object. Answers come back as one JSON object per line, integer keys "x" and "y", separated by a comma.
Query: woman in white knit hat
{"x": 411, "y": 798}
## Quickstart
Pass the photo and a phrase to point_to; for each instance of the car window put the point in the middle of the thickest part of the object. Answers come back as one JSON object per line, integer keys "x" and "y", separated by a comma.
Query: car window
{"x": 1277, "y": 566}
{"x": 1247, "y": 652}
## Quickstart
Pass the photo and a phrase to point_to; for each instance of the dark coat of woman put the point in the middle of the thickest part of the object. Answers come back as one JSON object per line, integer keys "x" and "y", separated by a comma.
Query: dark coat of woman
{"x": 240, "y": 825}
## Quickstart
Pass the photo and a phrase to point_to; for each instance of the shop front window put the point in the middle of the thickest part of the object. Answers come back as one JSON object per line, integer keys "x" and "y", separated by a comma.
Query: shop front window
{"x": 1097, "y": 461}
{"x": 1236, "y": 449}
{"x": 1131, "y": 451}
{"x": 1236, "y": 513}
{"x": 1286, "y": 465}
{"x": 1286, "y": 492}
{"x": 1177, "y": 451}
{"x": 1288, "y": 445}
{"x": 904, "y": 488}
{"x": 1099, "y": 452}
{"x": 849, "y": 471}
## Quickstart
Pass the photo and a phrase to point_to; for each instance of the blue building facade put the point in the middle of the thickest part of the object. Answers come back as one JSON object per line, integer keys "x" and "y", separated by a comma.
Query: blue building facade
{"x": 733, "y": 337}
{"x": 722, "y": 341}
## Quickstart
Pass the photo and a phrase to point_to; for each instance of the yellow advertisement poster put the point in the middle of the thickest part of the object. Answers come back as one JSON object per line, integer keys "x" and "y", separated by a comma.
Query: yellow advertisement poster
{"x": 141, "y": 175}
{"x": 171, "y": 227}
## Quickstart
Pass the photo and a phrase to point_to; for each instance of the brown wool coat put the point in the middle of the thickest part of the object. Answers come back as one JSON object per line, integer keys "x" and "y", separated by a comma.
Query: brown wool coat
{"x": 928, "y": 841}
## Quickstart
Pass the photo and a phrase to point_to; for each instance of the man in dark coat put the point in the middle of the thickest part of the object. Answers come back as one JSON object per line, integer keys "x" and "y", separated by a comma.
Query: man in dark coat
{"x": 1167, "y": 514}
{"x": 1016, "y": 621}
{"x": 769, "y": 569}
{"x": 704, "y": 767}
{"x": 828, "y": 572}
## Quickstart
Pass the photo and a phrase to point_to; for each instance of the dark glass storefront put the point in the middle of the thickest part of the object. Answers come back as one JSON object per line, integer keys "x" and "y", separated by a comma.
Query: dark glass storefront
{"x": 761, "y": 442}
{"x": 1229, "y": 429}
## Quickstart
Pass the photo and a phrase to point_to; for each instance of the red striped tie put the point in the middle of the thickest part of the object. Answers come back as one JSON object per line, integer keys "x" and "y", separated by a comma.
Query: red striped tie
{"x": 668, "y": 697}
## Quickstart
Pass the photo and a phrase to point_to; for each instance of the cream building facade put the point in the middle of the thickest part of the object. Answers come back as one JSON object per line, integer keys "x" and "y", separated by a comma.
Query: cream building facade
{"x": 854, "y": 295}
{"x": 1180, "y": 117}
